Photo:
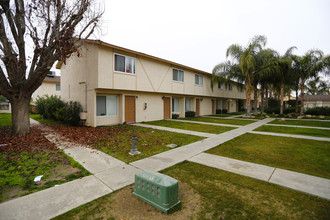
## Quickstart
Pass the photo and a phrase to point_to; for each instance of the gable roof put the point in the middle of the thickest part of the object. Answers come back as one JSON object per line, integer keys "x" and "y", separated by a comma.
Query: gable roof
{"x": 55, "y": 79}
{"x": 102, "y": 43}
{"x": 317, "y": 97}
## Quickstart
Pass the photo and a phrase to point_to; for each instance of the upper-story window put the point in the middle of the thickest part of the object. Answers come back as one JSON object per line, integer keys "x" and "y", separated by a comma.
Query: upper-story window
{"x": 58, "y": 87}
{"x": 198, "y": 79}
{"x": 220, "y": 85}
{"x": 124, "y": 64}
{"x": 178, "y": 75}
{"x": 229, "y": 86}
{"x": 240, "y": 88}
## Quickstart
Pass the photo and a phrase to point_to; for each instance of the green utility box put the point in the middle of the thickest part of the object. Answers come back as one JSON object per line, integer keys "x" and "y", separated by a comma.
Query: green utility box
{"x": 157, "y": 189}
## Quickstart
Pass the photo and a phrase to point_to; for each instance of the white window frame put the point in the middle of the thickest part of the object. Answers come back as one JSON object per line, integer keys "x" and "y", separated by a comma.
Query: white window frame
{"x": 108, "y": 97}
{"x": 126, "y": 60}
{"x": 57, "y": 87}
{"x": 174, "y": 99}
{"x": 179, "y": 71}
{"x": 185, "y": 104}
{"x": 198, "y": 80}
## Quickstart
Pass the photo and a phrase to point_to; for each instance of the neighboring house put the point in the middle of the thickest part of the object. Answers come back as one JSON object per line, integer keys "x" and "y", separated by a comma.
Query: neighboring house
{"x": 117, "y": 85}
{"x": 50, "y": 86}
{"x": 311, "y": 101}
{"x": 5, "y": 107}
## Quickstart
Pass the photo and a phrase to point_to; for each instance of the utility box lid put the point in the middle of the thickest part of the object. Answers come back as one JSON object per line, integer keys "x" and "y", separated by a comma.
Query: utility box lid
{"x": 159, "y": 190}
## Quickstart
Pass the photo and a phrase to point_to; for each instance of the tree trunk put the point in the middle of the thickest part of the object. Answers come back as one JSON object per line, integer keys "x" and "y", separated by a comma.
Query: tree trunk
{"x": 262, "y": 97}
{"x": 266, "y": 104}
{"x": 302, "y": 90}
{"x": 281, "y": 101}
{"x": 255, "y": 101}
{"x": 20, "y": 115}
{"x": 297, "y": 100}
{"x": 248, "y": 98}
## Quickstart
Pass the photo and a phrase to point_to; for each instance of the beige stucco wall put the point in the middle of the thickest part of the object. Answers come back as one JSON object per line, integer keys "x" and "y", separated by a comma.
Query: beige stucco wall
{"x": 46, "y": 88}
{"x": 152, "y": 81}
{"x": 312, "y": 104}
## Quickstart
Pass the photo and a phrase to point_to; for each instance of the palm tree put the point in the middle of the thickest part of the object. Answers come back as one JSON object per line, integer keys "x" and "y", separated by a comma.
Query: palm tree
{"x": 309, "y": 65}
{"x": 243, "y": 66}
{"x": 284, "y": 74}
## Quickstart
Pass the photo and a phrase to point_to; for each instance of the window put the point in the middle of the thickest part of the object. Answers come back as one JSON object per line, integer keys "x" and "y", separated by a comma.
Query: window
{"x": 240, "y": 88}
{"x": 124, "y": 64}
{"x": 106, "y": 105}
{"x": 178, "y": 75}
{"x": 229, "y": 86}
{"x": 198, "y": 79}
{"x": 175, "y": 105}
{"x": 318, "y": 103}
{"x": 220, "y": 85}
{"x": 4, "y": 106}
{"x": 58, "y": 87}
{"x": 188, "y": 104}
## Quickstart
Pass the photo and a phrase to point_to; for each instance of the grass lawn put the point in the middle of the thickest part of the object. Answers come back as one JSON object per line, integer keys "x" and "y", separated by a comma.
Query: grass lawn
{"x": 209, "y": 193}
{"x": 117, "y": 140}
{"x": 38, "y": 118}
{"x": 302, "y": 123}
{"x": 191, "y": 126}
{"x": 300, "y": 155}
{"x": 24, "y": 157}
{"x": 291, "y": 130}
{"x": 5, "y": 120}
{"x": 219, "y": 120}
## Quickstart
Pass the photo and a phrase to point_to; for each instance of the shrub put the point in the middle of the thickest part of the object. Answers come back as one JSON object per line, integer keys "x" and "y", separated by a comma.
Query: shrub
{"x": 175, "y": 116}
{"x": 318, "y": 111}
{"x": 48, "y": 105}
{"x": 276, "y": 110}
{"x": 219, "y": 111}
{"x": 70, "y": 113}
{"x": 273, "y": 103}
{"x": 190, "y": 114}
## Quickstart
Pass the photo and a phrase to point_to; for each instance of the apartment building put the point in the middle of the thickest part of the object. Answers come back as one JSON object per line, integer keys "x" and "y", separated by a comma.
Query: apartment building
{"x": 116, "y": 85}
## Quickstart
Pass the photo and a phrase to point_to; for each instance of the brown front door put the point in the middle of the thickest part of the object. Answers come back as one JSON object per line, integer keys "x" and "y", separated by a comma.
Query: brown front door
{"x": 129, "y": 109}
{"x": 197, "y": 107}
{"x": 236, "y": 105}
{"x": 167, "y": 108}
{"x": 228, "y": 109}
{"x": 213, "y": 108}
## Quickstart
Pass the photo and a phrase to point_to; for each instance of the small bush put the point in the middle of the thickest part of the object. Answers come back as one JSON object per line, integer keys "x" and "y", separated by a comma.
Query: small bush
{"x": 175, "y": 116}
{"x": 48, "y": 106}
{"x": 190, "y": 114}
{"x": 276, "y": 110}
{"x": 219, "y": 111}
{"x": 318, "y": 111}
{"x": 70, "y": 113}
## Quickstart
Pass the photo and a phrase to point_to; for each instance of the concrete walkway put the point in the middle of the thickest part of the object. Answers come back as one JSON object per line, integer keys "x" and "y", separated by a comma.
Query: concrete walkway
{"x": 297, "y": 181}
{"x": 291, "y": 135}
{"x": 196, "y": 133}
{"x": 298, "y": 126}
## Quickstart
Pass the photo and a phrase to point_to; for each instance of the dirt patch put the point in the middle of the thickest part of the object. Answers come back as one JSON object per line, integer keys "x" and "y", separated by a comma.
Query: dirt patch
{"x": 124, "y": 205}
{"x": 60, "y": 172}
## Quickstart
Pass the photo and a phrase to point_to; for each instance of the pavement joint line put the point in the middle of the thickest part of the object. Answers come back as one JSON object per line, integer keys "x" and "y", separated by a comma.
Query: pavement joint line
{"x": 103, "y": 183}
{"x": 290, "y": 135}
{"x": 271, "y": 174}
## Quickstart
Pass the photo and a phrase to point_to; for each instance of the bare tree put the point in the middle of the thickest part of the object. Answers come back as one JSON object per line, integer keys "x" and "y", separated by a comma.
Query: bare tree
{"x": 54, "y": 30}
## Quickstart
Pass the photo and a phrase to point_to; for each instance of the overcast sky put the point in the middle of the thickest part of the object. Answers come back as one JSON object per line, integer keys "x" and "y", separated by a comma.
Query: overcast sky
{"x": 197, "y": 33}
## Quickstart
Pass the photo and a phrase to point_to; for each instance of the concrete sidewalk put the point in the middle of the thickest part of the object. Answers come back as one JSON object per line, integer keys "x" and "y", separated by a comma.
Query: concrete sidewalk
{"x": 290, "y": 135}
{"x": 297, "y": 181}
{"x": 196, "y": 133}
{"x": 169, "y": 158}
{"x": 298, "y": 126}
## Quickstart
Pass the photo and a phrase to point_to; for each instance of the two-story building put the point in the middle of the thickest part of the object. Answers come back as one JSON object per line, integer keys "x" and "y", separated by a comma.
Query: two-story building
{"x": 117, "y": 85}
{"x": 50, "y": 86}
